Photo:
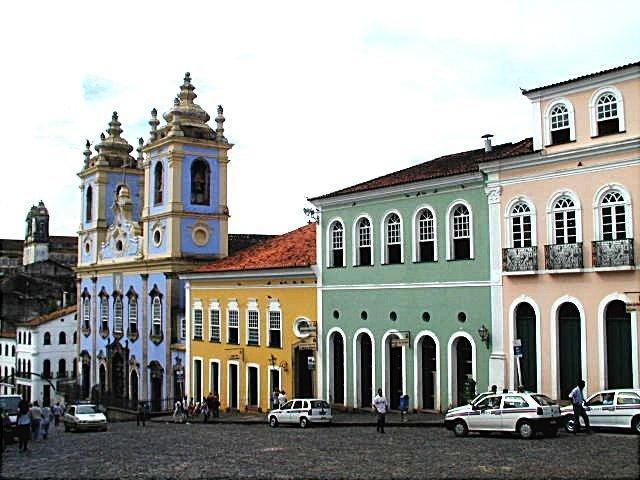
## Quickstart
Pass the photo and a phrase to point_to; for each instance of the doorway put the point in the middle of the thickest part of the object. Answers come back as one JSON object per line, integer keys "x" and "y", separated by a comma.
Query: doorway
{"x": 337, "y": 369}
{"x": 117, "y": 376}
{"x": 463, "y": 356}
{"x": 569, "y": 343}
{"x": 215, "y": 377}
{"x": 134, "y": 388}
{"x": 197, "y": 379}
{"x": 428, "y": 373}
{"x": 252, "y": 386}
{"x": 304, "y": 376}
{"x": 618, "y": 341}
{"x": 233, "y": 386}
{"x": 526, "y": 332}
{"x": 395, "y": 374}
{"x": 365, "y": 370}
{"x": 156, "y": 373}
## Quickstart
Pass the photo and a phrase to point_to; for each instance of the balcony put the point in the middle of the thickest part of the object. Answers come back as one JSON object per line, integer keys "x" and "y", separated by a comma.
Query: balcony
{"x": 567, "y": 256}
{"x": 523, "y": 259}
{"x": 612, "y": 253}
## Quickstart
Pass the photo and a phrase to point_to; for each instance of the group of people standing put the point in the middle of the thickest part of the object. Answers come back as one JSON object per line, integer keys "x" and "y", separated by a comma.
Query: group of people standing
{"x": 34, "y": 421}
{"x": 209, "y": 406}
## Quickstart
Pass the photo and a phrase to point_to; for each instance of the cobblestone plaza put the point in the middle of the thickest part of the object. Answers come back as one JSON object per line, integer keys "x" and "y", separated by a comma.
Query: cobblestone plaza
{"x": 166, "y": 450}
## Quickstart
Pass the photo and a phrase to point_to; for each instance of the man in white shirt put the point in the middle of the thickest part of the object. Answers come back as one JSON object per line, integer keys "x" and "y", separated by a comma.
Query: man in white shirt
{"x": 380, "y": 407}
{"x": 282, "y": 398}
{"x": 577, "y": 400}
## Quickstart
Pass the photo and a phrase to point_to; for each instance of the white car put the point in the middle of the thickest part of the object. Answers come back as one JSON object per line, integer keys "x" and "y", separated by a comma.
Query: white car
{"x": 84, "y": 417}
{"x": 301, "y": 411}
{"x": 524, "y": 413}
{"x": 610, "y": 409}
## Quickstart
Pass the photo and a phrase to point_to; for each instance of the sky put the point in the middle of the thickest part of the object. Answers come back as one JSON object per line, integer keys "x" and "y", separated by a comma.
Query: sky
{"x": 317, "y": 95}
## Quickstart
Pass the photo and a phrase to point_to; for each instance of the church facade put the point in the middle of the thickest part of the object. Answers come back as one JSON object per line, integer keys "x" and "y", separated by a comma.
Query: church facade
{"x": 145, "y": 219}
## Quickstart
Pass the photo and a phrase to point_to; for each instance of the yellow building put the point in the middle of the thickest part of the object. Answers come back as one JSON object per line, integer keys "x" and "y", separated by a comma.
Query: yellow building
{"x": 251, "y": 321}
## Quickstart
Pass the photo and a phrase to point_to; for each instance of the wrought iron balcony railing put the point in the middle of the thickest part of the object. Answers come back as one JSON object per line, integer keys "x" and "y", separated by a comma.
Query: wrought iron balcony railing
{"x": 524, "y": 259}
{"x": 563, "y": 257}
{"x": 612, "y": 253}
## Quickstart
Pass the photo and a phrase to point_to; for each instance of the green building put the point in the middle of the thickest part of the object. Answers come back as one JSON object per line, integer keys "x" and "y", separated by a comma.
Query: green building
{"x": 410, "y": 291}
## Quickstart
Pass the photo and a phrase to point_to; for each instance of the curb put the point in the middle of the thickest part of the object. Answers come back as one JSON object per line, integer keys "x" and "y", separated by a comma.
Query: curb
{"x": 333, "y": 424}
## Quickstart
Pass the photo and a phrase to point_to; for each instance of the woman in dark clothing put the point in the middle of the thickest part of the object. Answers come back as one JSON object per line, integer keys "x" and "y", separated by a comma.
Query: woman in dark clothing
{"x": 23, "y": 425}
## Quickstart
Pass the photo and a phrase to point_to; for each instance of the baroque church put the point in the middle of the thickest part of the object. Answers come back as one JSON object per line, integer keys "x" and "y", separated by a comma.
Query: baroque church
{"x": 144, "y": 220}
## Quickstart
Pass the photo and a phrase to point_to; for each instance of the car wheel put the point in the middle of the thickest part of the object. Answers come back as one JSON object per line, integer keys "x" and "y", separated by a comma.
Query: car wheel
{"x": 635, "y": 425}
{"x": 460, "y": 429}
{"x": 304, "y": 423}
{"x": 570, "y": 425}
{"x": 526, "y": 430}
{"x": 273, "y": 421}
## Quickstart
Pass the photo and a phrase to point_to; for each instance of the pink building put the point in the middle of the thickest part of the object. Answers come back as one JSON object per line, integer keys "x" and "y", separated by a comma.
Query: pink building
{"x": 566, "y": 217}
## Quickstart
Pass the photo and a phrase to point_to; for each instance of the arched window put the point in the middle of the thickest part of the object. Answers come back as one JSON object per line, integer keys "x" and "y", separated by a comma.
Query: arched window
{"x": 47, "y": 338}
{"x": 29, "y": 338}
{"x": 28, "y": 366}
{"x": 520, "y": 215}
{"x": 559, "y": 118}
{"x": 156, "y": 316}
{"x": 86, "y": 312}
{"x": 336, "y": 247}
{"x": 565, "y": 229}
{"x": 75, "y": 337}
{"x": 117, "y": 314}
{"x": 13, "y": 350}
{"x": 607, "y": 114}
{"x": 62, "y": 368}
{"x": 425, "y": 236}
{"x": 62, "y": 338}
{"x": 133, "y": 314}
{"x": 393, "y": 239}
{"x": 364, "y": 248}
{"x": 104, "y": 311}
{"x": 460, "y": 232}
{"x": 88, "y": 204}
{"x": 613, "y": 218}
{"x": 158, "y": 186}
{"x": 200, "y": 178}
{"x": 46, "y": 368}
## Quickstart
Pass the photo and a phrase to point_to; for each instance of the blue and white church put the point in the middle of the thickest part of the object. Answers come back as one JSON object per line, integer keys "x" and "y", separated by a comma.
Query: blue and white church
{"x": 145, "y": 219}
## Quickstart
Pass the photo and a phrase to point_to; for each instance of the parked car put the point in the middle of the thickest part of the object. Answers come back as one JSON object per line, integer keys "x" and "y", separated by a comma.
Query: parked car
{"x": 301, "y": 411}
{"x": 610, "y": 409}
{"x": 84, "y": 417}
{"x": 524, "y": 413}
{"x": 9, "y": 405}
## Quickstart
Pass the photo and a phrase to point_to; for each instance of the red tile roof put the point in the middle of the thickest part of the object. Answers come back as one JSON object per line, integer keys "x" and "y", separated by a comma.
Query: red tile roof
{"x": 39, "y": 320}
{"x": 294, "y": 249}
{"x": 454, "y": 164}
{"x": 583, "y": 77}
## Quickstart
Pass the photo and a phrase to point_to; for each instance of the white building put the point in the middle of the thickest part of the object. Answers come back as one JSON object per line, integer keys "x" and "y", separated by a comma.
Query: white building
{"x": 7, "y": 361}
{"x": 46, "y": 352}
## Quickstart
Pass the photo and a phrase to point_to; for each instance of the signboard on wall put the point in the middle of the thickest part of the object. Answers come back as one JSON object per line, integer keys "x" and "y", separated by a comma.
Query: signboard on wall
{"x": 517, "y": 348}
{"x": 399, "y": 342}
{"x": 307, "y": 346}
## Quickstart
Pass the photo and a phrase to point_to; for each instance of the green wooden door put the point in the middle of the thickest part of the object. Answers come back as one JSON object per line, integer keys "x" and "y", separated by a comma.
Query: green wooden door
{"x": 619, "y": 363}
{"x": 569, "y": 345}
{"x": 526, "y": 332}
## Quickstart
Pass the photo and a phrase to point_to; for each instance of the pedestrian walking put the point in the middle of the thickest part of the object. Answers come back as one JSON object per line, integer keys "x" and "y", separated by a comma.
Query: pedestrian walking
{"x": 577, "y": 400}
{"x": 380, "y": 406}
{"x": 404, "y": 407}
{"x": 23, "y": 426}
{"x": 204, "y": 409}
{"x": 274, "y": 399}
{"x": 46, "y": 420}
{"x": 215, "y": 406}
{"x": 177, "y": 411}
{"x": 57, "y": 413}
{"x": 36, "y": 418}
{"x": 282, "y": 398}
{"x": 140, "y": 417}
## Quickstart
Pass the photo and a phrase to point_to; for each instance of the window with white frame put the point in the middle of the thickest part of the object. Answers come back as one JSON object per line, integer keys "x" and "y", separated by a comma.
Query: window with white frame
{"x": 613, "y": 216}
{"x": 565, "y": 228}
{"x": 253, "y": 327}
{"x": 393, "y": 239}
{"x": 426, "y": 236}
{"x": 559, "y": 122}
{"x": 337, "y": 245}
{"x": 607, "y": 114}
{"x": 197, "y": 324}
{"x": 364, "y": 248}
{"x": 133, "y": 314}
{"x": 460, "y": 233}
{"x": 86, "y": 312}
{"x": 104, "y": 312}
{"x": 520, "y": 215}
{"x": 214, "y": 324}
{"x": 117, "y": 314}
{"x": 156, "y": 316}
{"x": 275, "y": 328}
{"x": 233, "y": 325}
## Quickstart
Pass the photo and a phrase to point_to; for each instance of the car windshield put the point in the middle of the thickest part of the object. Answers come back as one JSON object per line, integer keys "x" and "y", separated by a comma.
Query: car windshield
{"x": 9, "y": 404}
{"x": 85, "y": 409}
{"x": 543, "y": 400}
{"x": 319, "y": 404}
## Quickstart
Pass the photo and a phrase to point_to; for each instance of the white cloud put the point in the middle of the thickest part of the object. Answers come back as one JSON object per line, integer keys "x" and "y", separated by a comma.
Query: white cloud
{"x": 317, "y": 96}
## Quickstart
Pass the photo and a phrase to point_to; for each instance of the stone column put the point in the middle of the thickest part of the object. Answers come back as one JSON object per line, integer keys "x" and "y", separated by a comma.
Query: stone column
{"x": 167, "y": 322}
{"x": 144, "y": 334}
{"x": 94, "y": 331}
{"x": 497, "y": 364}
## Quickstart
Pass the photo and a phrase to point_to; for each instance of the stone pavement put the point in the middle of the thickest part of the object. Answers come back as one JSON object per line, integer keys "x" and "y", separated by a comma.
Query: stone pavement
{"x": 340, "y": 419}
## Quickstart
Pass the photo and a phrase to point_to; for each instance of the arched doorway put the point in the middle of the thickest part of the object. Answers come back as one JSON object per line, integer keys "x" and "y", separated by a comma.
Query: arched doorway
{"x": 569, "y": 346}
{"x": 364, "y": 370}
{"x": 462, "y": 370}
{"x": 336, "y": 373}
{"x": 134, "y": 387}
{"x": 427, "y": 371}
{"x": 526, "y": 332}
{"x": 117, "y": 376}
{"x": 618, "y": 344}
{"x": 156, "y": 374}
{"x": 303, "y": 374}
{"x": 102, "y": 378}
{"x": 395, "y": 372}
{"x": 86, "y": 374}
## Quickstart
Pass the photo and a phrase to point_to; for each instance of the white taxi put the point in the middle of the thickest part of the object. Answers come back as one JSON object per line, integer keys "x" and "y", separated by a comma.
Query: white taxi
{"x": 301, "y": 411}
{"x": 84, "y": 417}
{"x": 609, "y": 409}
{"x": 524, "y": 413}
